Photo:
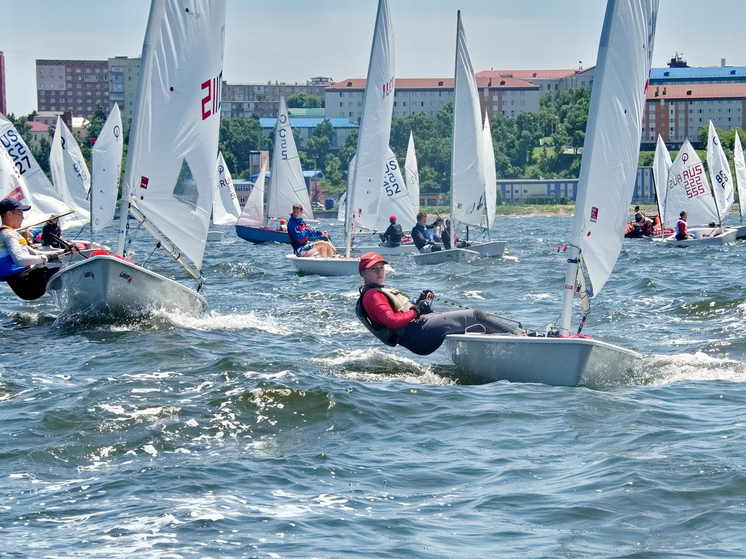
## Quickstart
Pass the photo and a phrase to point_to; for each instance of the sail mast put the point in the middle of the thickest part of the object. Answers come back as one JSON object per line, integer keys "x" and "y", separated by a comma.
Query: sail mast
{"x": 452, "y": 227}
{"x": 146, "y": 61}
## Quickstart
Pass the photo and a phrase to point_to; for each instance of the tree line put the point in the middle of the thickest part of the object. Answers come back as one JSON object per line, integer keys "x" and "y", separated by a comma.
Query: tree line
{"x": 527, "y": 145}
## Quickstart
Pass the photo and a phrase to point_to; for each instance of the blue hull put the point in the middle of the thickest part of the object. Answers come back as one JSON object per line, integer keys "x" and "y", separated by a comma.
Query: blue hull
{"x": 262, "y": 235}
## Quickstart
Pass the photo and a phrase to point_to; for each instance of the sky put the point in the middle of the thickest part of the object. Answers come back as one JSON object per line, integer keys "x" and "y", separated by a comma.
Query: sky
{"x": 293, "y": 40}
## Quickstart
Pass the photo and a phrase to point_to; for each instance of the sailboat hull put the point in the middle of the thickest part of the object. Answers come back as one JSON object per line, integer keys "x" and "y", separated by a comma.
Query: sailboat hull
{"x": 104, "y": 286}
{"x": 261, "y": 235}
{"x": 741, "y": 232}
{"x": 441, "y": 256}
{"x": 408, "y": 248}
{"x": 337, "y": 266}
{"x": 726, "y": 236}
{"x": 490, "y": 249}
{"x": 553, "y": 361}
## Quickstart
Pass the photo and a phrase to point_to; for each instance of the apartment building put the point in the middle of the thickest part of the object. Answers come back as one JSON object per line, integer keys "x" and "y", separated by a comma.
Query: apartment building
{"x": 78, "y": 86}
{"x": 245, "y": 100}
{"x": 123, "y": 73}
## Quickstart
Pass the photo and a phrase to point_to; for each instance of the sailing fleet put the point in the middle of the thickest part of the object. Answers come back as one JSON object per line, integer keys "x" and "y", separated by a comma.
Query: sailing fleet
{"x": 177, "y": 184}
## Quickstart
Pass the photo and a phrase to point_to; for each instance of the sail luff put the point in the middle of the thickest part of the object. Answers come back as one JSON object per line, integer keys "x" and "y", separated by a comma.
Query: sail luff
{"x": 364, "y": 195}
{"x": 661, "y": 165}
{"x": 616, "y": 114}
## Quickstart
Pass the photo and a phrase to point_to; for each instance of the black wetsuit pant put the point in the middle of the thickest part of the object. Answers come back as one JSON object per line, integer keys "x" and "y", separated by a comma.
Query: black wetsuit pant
{"x": 427, "y": 333}
{"x": 31, "y": 283}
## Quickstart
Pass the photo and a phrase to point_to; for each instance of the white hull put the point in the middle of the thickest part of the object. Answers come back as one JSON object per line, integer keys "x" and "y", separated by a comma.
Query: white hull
{"x": 440, "y": 256}
{"x": 336, "y": 266}
{"x": 553, "y": 361}
{"x": 490, "y": 249}
{"x": 110, "y": 286}
{"x": 703, "y": 237}
{"x": 214, "y": 235}
{"x": 409, "y": 248}
{"x": 741, "y": 232}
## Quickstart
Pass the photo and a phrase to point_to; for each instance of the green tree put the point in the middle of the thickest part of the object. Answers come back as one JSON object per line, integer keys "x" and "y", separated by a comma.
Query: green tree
{"x": 320, "y": 142}
{"x": 238, "y": 137}
{"x": 303, "y": 100}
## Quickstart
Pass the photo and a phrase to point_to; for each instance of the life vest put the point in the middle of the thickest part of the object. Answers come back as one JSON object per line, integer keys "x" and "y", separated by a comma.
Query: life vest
{"x": 399, "y": 303}
{"x": 681, "y": 227}
{"x": 8, "y": 267}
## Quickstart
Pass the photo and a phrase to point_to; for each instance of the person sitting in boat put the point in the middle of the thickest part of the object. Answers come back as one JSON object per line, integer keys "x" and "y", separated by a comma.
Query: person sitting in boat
{"x": 298, "y": 232}
{"x": 393, "y": 234}
{"x": 392, "y": 318}
{"x": 681, "y": 232}
{"x": 22, "y": 267}
{"x": 51, "y": 233}
{"x": 639, "y": 216}
{"x": 282, "y": 226}
{"x": 421, "y": 237}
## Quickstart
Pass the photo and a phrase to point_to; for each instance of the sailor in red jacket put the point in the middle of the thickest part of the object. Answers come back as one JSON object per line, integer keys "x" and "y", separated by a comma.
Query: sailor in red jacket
{"x": 391, "y": 317}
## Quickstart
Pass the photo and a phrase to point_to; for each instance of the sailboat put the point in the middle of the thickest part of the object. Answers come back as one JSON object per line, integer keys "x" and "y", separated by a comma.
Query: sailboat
{"x": 170, "y": 172}
{"x": 225, "y": 207}
{"x": 395, "y": 200}
{"x": 106, "y": 166}
{"x": 364, "y": 192}
{"x": 740, "y": 165}
{"x": 469, "y": 163}
{"x": 412, "y": 175}
{"x": 287, "y": 187}
{"x": 30, "y": 185}
{"x": 70, "y": 176}
{"x": 688, "y": 190}
{"x": 605, "y": 186}
{"x": 661, "y": 167}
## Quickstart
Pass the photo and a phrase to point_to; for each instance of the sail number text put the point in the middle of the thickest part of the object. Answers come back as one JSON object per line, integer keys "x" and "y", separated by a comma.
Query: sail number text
{"x": 390, "y": 184}
{"x": 16, "y": 150}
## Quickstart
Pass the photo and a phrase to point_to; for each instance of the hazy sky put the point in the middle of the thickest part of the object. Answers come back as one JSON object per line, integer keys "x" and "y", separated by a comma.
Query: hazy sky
{"x": 294, "y": 40}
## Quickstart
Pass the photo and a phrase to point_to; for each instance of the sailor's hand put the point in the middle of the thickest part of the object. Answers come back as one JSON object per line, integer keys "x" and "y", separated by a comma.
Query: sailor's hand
{"x": 426, "y": 294}
{"x": 423, "y": 307}
{"x": 53, "y": 258}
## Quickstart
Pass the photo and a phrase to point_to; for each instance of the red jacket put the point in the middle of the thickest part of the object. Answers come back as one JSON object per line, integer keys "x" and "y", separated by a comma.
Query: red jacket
{"x": 379, "y": 311}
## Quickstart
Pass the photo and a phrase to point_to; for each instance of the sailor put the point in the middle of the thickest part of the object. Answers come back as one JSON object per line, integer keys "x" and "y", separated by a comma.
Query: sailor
{"x": 681, "y": 232}
{"x": 298, "y": 233}
{"x": 393, "y": 234}
{"x": 421, "y": 237}
{"x": 50, "y": 233}
{"x": 639, "y": 216}
{"x": 392, "y": 318}
{"x": 22, "y": 267}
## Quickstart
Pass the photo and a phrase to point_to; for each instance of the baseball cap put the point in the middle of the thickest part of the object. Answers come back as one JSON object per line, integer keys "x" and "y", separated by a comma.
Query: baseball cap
{"x": 10, "y": 204}
{"x": 369, "y": 259}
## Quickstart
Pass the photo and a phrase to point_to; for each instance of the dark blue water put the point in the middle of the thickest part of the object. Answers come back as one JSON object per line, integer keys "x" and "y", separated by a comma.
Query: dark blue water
{"x": 276, "y": 426}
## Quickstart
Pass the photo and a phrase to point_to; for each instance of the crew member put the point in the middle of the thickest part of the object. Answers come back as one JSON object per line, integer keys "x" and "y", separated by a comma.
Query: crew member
{"x": 681, "y": 232}
{"x": 21, "y": 266}
{"x": 421, "y": 237}
{"x": 298, "y": 232}
{"x": 392, "y": 318}
{"x": 50, "y": 233}
{"x": 393, "y": 234}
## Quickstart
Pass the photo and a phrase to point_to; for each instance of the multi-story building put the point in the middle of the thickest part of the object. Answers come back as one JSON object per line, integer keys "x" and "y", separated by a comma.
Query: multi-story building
{"x": 123, "y": 73}
{"x": 78, "y": 86}
{"x": 682, "y": 100}
{"x": 505, "y": 95}
{"x": 245, "y": 100}
{"x": 3, "y": 106}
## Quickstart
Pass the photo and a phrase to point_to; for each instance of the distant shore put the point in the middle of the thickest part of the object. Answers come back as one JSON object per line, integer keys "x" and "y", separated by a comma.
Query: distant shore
{"x": 508, "y": 210}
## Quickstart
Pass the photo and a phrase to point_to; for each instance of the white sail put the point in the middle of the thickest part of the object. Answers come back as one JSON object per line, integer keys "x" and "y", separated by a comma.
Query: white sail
{"x": 395, "y": 198}
{"x": 467, "y": 166}
{"x": 612, "y": 144}
{"x": 364, "y": 195}
{"x": 412, "y": 175}
{"x": 688, "y": 190}
{"x": 287, "y": 186}
{"x": 740, "y": 165}
{"x": 661, "y": 166}
{"x": 490, "y": 173}
{"x": 171, "y": 171}
{"x": 39, "y": 192}
{"x": 342, "y": 209}
{"x": 70, "y": 176}
{"x": 106, "y": 164}
{"x": 722, "y": 179}
{"x": 225, "y": 207}
{"x": 253, "y": 209}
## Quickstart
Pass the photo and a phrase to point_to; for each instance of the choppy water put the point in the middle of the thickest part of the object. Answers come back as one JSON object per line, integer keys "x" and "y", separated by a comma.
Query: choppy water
{"x": 275, "y": 426}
